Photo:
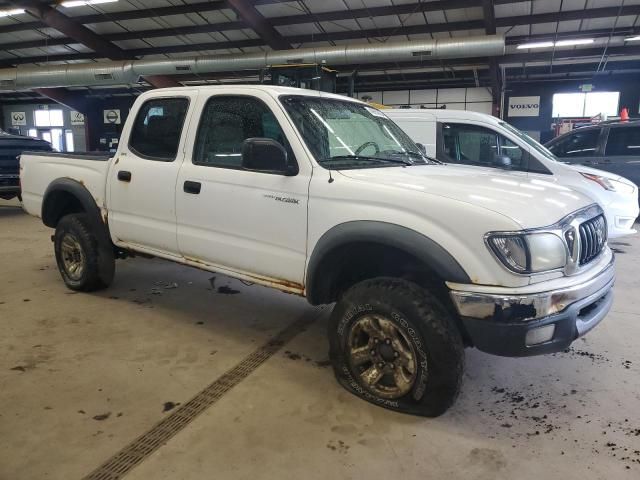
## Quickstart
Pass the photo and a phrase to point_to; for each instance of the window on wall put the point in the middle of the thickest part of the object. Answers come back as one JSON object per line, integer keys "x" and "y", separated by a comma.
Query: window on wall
{"x": 68, "y": 139}
{"x": 48, "y": 118}
{"x": 585, "y": 104}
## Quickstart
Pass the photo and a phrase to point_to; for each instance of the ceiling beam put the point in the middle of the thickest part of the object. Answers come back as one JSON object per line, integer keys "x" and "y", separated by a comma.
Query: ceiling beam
{"x": 65, "y": 97}
{"x": 326, "y": 16}
{"x": 80, "y": 34}
{"x": 286, "y": 20}
{"x": 511, "y": 40}
{"x": 254, "y": 20}
{"x": 489, "y": 17}
{"x": 52, "y": 18}
{"x": 345, "y": 14}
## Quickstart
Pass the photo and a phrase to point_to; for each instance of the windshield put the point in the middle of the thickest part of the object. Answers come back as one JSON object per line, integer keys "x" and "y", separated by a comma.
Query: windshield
{"x": 530, "y": 141}
{"x": 346, "y": 135}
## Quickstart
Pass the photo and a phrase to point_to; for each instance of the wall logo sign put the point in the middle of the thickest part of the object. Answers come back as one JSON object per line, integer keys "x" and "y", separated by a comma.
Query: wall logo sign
{"x": 524, "y": 107}
{"x": 77, "y": 118}
{"x": 18, "y": 119}
{"x": 112, "y": 117}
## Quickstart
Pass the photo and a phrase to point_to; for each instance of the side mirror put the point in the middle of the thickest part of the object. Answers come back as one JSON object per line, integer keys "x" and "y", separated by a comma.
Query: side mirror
{"x": 267, "y": 156}
{"x": 502, "y": 161}
{"x": 422, "y": 148}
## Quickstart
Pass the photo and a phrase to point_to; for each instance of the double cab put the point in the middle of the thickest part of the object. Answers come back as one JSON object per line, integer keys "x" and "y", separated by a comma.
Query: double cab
{"x": 325, "y": 197}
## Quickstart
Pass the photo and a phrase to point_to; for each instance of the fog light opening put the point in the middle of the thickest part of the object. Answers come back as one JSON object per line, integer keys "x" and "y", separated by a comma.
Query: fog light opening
{"x": 540, "y": 335}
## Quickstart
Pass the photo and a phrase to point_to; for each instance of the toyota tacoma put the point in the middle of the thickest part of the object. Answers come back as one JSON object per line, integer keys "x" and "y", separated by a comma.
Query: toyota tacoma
{"x": 324, "y": 196}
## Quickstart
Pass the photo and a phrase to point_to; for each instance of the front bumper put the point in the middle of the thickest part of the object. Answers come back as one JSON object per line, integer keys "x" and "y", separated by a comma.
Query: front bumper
{"x": 621, "y": 214}
{"x": 535, "y": 323}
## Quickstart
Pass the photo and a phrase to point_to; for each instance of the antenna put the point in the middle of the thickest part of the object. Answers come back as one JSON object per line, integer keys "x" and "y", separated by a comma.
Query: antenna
{"x": 330, "y": 177}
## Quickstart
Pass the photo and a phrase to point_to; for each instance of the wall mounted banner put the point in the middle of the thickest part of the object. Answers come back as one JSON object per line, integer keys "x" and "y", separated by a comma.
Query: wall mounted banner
{"x": 18, "y": 119}
{"x": 77, "y": 118}
{"x": 524, "y": 107}
{"x": 112, "y": 116}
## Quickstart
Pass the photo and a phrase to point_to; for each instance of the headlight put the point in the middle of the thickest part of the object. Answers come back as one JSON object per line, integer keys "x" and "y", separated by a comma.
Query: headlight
{"x": 609, "y": 183}
{"x": 529, "y": 253}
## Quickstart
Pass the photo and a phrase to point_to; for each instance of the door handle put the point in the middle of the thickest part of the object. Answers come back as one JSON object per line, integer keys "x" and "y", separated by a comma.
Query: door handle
{"x": 192, "y": 187}
{"x": 124, "y": 176}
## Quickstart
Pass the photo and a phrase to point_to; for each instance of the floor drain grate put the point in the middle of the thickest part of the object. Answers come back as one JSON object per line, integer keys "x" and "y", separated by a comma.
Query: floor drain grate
{"x": 133, "y": 454}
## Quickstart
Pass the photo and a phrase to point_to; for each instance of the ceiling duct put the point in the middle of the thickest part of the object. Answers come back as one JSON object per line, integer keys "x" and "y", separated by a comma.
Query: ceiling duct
{"x": 130, "y": 71}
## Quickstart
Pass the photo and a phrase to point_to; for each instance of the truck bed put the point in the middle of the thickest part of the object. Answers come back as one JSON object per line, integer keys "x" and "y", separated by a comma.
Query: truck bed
{"x": 38, "y": 170}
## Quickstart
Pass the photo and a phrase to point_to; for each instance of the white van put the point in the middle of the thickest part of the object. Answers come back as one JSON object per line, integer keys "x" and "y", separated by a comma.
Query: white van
{"x": 470, "y": 138}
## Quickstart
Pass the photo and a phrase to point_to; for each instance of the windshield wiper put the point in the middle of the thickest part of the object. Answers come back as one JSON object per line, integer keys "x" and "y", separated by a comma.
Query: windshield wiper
{"x": 423, "y": 156}
{"x": 370, "y": 159}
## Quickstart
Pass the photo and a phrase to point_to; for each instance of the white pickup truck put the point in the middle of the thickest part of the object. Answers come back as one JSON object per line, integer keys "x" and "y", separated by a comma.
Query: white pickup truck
{"x": 325, "y": 197}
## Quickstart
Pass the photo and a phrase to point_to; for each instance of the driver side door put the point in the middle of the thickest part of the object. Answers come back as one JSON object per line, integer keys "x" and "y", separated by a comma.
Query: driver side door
{"x": 248, "y": 223}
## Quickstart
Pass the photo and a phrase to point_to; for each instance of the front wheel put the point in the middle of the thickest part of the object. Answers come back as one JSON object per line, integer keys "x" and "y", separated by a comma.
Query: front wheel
{"x": 83, "y": 265}
{"x": 393, "y": 344}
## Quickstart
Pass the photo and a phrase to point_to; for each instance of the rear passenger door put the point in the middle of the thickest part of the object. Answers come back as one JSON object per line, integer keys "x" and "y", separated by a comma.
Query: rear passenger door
{"x": 248, "y": 223}
{"x": 142, "y": 178}
{"x": 622, "y": 152}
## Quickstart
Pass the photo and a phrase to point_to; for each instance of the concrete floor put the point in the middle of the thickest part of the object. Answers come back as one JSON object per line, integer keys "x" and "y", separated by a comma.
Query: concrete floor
{"x": 83, "y": 375}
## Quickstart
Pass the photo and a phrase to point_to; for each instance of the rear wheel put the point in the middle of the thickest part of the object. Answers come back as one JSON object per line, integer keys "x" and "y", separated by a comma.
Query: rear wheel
{"x": 83, "y": 265}
{"x": 395, "y": 345}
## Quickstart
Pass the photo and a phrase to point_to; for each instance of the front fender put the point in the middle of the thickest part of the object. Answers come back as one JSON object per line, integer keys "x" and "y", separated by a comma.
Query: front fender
{"x": 416, "y": 244}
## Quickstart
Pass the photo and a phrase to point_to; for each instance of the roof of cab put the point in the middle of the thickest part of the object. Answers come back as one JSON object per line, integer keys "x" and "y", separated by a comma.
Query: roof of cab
{"x": 271, "y": 89}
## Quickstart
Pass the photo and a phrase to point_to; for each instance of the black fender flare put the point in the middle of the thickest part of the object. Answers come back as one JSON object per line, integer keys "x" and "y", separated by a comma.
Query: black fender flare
{"x": 51, "y": 214}
{"x": 414, "y": 243}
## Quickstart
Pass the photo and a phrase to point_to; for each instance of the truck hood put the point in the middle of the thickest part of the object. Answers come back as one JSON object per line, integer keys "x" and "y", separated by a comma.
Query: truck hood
{"x": 530, "y": 202}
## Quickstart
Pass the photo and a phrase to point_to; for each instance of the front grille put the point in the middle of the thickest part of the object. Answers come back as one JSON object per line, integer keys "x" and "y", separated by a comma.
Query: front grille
{"x": 593, "y": 238}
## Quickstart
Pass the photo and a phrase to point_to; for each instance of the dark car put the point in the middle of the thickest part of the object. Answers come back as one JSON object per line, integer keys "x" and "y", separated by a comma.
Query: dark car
{"x": 11, "y": 146}
{"x": 613, "y": 147}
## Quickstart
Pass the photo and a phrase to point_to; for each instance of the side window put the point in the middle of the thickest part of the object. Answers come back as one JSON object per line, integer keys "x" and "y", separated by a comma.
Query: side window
{"x": 226, "y": 123}
{"x": 157, "y": 128}
{"x": 623, "y": 141}
{"x": 474, "y": 145}
{"x": 577, "y": 144}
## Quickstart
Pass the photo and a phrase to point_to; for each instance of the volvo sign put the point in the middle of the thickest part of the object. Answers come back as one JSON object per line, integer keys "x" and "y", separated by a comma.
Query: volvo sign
{"x": 524, "y": 107}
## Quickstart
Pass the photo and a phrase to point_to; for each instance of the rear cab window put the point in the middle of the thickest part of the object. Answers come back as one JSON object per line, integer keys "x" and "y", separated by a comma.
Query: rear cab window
{"x": 156, "y": 131}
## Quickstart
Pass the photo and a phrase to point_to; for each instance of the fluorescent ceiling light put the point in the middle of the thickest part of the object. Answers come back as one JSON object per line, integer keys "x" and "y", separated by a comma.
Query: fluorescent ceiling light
{"x": 13, "y": 11}
{"x": 559, "y": 43}
{"x": 633, "y": 39}
{"x": 80, "y": 3}
{"x": 577, "y": 41}
{"x": 536, "y": 45}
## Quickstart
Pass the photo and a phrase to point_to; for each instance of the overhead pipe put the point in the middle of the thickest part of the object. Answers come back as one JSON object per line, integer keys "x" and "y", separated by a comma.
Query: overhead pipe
{"x": 130, "y": 71}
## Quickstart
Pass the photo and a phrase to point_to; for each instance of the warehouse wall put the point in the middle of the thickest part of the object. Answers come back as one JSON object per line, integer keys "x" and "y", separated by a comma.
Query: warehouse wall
{"x": 100, "y": 133}
{"x": 474, "y": 99}
{"x": 78, "y": 130}
{"x": 629, "y": 97}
